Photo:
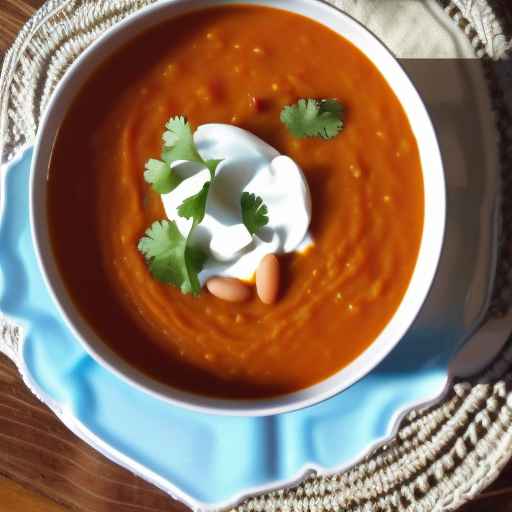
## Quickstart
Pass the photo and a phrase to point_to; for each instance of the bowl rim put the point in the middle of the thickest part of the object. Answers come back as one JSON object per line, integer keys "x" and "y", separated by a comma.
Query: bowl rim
{"x": 54, "y": 112}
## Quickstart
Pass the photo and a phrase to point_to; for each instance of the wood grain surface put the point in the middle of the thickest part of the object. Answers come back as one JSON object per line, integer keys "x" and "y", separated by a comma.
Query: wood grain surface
{"x": 45, "y": 468}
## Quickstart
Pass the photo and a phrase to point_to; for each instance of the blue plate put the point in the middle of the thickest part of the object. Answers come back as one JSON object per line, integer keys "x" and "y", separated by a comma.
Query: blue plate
{"x": 211, "y": 461}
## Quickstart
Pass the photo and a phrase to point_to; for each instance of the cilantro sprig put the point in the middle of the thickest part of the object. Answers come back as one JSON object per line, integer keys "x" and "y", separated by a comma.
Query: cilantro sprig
{"x": 178, "y": 145}
{"x": 179, "y": 141}
{"x": 314, "y": 118}
{"x": 171, "y": 258}
{"x": 254, "y": 212}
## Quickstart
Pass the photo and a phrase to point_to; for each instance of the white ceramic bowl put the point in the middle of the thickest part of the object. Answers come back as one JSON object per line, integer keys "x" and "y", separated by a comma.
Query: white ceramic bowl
{"x": 433, "y": 178}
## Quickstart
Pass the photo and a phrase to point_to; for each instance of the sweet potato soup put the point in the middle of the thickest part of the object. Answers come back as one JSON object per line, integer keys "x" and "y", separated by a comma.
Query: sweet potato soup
{"x": 238, "y": 65}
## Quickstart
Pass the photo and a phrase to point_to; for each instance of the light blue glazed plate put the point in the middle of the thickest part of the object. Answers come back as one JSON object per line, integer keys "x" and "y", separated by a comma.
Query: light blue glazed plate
{"x": 212, "y": 461}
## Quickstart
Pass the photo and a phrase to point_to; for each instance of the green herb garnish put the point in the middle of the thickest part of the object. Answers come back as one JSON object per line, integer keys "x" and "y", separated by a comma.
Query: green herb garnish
{"x": 194, "y": 207}
{"x": 160, "y": 176}
{"x": 179, "y": 144}
{"x": 313, "y": 118}
{"x": 254, "y": 212}
{"x": 171, "y": 258}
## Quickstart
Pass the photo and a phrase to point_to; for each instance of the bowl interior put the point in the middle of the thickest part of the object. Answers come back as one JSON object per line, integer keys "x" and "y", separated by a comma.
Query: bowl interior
{"x": 434, "y": 200}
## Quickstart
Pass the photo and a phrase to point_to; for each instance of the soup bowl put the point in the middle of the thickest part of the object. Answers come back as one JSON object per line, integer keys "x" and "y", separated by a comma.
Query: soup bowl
{"x": 434, "y": 205}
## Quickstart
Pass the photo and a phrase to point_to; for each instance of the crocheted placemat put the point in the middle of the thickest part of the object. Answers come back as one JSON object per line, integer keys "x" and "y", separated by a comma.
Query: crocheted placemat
{"x": 442, "y": 455}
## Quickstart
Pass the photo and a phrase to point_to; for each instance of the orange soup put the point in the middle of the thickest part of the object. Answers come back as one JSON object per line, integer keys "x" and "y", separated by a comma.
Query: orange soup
{"x": 238, "y": 65}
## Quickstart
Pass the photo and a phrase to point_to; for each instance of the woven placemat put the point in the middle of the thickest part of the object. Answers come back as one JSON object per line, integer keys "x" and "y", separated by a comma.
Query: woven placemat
{"x": 442, "y": 455}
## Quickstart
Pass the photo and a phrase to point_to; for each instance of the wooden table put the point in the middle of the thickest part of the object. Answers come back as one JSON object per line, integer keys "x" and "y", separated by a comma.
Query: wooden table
{"x": 45, "y": 468}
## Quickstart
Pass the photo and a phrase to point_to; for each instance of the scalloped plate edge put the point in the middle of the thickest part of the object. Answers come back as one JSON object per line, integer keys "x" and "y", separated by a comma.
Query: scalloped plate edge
{"x": 174, "y": 491}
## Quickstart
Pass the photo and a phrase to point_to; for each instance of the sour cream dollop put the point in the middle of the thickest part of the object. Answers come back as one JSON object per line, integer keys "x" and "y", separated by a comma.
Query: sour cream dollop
{"x": 249, "y": 165}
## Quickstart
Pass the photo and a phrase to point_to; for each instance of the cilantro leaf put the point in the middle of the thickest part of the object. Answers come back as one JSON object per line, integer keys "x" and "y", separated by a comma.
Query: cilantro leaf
{"x": 160, "y": 176}
{"x": 179, "y": 142}
{"x": 195, "y": 206}
{"x": 254, "y": 212}
{"x": 313, "y": 118}
{"x": 171, "y": 260}
{"x": 212, "y": 166}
